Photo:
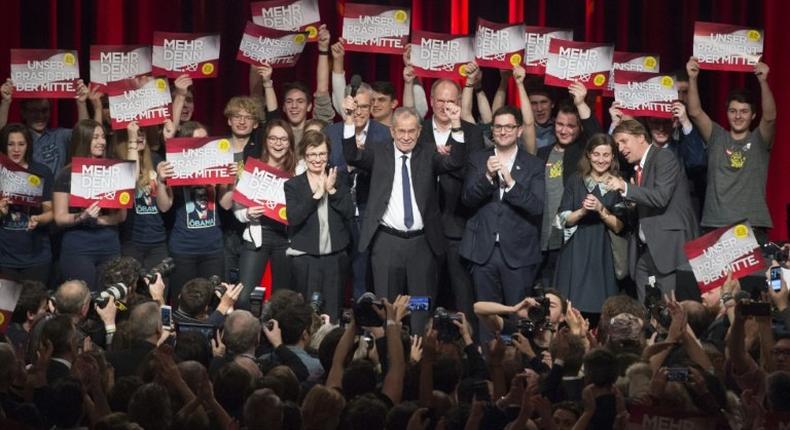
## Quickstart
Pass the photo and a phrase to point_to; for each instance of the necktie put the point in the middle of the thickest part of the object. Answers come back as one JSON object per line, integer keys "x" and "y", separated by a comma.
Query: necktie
{"x": 408, "y": 215}
{"x": 639, "y": 175}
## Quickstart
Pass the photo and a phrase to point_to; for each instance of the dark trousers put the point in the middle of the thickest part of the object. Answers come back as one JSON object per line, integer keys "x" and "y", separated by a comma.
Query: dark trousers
{"x": 188, "y": 267}
{"x": 404, "y": 266}
{"x": 147, "y": 255}
{"x": 495, "y": 281}
{"x": 455, "y": 273}
{"x": 232, "y": 243}
{"x": 83, "y": 267}
{"x": 324, "y": 274}
{"x": 547, "y": 267}
{"x": 252, "y": 263}
{"x": 645, "y": 268}
{"x": 38, "y": 273}
{"x": 360, "y": 260}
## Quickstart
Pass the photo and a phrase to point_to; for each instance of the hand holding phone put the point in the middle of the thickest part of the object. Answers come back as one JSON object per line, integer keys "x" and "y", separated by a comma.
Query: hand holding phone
{"x": 167, "y": 317}
{"x": 776, "y": 278}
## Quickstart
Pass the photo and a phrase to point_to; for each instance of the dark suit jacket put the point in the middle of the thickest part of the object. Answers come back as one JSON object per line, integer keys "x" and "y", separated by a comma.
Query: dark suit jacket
{"x": 426, "y": 164}
{"x": 302, "y": 213}
{"x": 56, "y": 371}
{"x": 451, "y": 184}
{"x": 516, "y": 216}
{"x": 378, "y": 134}
{"x": 664, "y": 210}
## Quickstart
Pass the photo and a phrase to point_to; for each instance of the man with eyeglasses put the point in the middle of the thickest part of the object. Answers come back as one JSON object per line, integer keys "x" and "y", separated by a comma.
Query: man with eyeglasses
{"x": 243, "y": 118}
{"x": 505, "y": 187}
{"x": 436, "y": 136}
{"x": 367, "y": 132}
{"x": 403, "y": 225}
{"x": 573, "y": 124}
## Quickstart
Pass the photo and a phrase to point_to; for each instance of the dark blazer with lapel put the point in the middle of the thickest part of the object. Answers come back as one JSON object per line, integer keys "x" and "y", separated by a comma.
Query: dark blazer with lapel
{"x": 451, "y": 184}
{"x": 302, "y": 212}
{"x": 664, "y": 210}
{"x": 378, "y": 134}
{"x": 516, "y": 216}
{"x": 426, "y": 164}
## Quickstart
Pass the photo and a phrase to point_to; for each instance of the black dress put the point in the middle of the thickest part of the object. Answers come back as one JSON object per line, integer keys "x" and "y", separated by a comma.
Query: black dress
{"x": 585, "y": 270}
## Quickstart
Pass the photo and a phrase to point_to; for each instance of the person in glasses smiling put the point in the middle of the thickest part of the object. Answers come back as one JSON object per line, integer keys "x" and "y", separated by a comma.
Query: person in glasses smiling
{"x": 505, "y": 187}
{"x": 319, "y": 208}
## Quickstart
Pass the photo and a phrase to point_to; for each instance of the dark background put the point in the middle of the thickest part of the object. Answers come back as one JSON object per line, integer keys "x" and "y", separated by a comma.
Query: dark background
{"x": 662, "y": 27}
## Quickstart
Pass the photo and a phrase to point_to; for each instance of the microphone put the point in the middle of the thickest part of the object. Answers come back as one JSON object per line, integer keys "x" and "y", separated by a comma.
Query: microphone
{"x": 356, "y": 81}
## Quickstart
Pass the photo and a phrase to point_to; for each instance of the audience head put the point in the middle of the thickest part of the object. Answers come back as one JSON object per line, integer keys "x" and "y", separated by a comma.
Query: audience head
{"x": 297, "y": 103}
{"x": 150, "y": 407}
{"x": 17, "y": 143}
{"x": 567, "y": 124}
{"x": 295, "y": 323}
{"x": 661, "y": 130}
{"x": 600, "y": 367}
{"x": 146, "y": 322}
{"x": 263, "y": 410}
{"x": 61, "y": 333}
{"x": 507, "y": 126}
{"x": 35, "y": 114}
{"x": 383, "y": 100}
{"x": 600, "y": 157}
{"x": 361, "y": 114}
{"x": 192, "y": 345}
{"x": 241, "y": 332}
{"x": 541, "y": 100}
{"x": 632, "y": 140}
{"x": 781, "y": 352}
{"x": 192, "y": 129}
{"x": 741, "y": 110}
{"x": 88, "y": 140}
{"x": 279, "y": 145}
{"x": 778, "y": 391}
{"x": 124, "y": 270}
{"x": 243, "y": 116}
{"x": 322, "y": 408}
{"x": 32, "y": 303}
{"x": 365, "y": 412}
{"x": 444, "y": 91}
{"x": 682, "y": 85}
{"x": 566, "y": 414}
{"x": 316, "y": 150}
{"x": 232, "y": 384}
{"x": 195, "y": 297}
{"x": 405, "y": 128}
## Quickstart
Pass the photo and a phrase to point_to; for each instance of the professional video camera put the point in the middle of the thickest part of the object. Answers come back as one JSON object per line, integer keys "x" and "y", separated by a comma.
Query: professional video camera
{"x": 117, "y": 291}
{"x": 164, "y": 268}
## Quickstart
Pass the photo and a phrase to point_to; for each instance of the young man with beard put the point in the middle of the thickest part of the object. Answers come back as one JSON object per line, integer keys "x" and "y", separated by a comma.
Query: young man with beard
{"x": 573, "y": 124}
{"x": 738, "y": 158}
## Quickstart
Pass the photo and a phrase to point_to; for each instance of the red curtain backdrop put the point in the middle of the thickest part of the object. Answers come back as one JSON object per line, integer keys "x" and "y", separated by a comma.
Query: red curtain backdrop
{"x": 664, "y": 27}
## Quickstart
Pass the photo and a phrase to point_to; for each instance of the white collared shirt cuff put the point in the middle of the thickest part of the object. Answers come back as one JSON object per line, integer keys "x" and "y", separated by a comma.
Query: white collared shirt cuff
{"x": 458, "y": 136}
{"x": 625, "y": 191}
{"x": 348, "y": 131}
{"x": 687, "y": 131}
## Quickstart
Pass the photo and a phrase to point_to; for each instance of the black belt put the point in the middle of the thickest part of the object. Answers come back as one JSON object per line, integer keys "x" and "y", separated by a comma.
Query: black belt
{"x": 400, "y": 233}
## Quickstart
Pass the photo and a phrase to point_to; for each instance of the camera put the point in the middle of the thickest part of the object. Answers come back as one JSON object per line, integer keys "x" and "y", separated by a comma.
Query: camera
{"x": 164, "y": 268}
{"x": 537, "y": 316}
{"x": 256, "y": 301}
{"x": 443, "y": 324}
{"x": 364, "y": 313}
{"x": 656, "y": 307}
{"x": 317, "y": 302}
{"x": 678, "y": 374}
{"x": 776, "y": 252}
{"x": 117, "y": 291}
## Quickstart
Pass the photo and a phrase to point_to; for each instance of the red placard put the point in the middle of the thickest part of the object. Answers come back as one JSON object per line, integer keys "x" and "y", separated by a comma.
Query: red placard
{"x": 536, "y": 49}
{"x": 9, "y": 296}
{"x": 727, "y": 47}
{"x": 438, "y": 55}
{"x": 732, "y": 248}
{"x": 261, "y": 45}
{"x": 373, "y": 28}
{"x": 109, "y": 182}
{"x": 288, "y": 15}
{"x": 585, "y": 62}
{"x": 176, "y": 54}
{"x": 646, "y": 418}
{"x": 200, "y": 161}
{"x": 19, "y": 185}
{"x": 499, "y": 45}
{"x": 110, "y": 63}
{"x": 631, "y": 62}
{"x": 146, "y": 101}
{"x": 262, "y": 185}
{"x": 645, "y": 94}
{"x": 44, "y": 73}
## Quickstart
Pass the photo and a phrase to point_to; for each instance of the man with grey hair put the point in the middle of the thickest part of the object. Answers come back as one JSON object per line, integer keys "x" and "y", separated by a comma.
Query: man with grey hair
{"x": 403, "y": 224}
{"x": 367, "y": 132}
{"x": 146, "y": 330}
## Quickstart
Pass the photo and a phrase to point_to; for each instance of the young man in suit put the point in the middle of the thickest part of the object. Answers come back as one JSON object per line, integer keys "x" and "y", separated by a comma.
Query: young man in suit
{"x": 663, "y": 204}
{"x": 505, "y": 186}
{"x": 403, "y": 224}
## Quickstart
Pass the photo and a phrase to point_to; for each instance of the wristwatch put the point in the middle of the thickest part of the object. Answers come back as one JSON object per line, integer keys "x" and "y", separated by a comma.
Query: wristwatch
{"x": 456, "y": 129}
{"x": 726, "y": 297}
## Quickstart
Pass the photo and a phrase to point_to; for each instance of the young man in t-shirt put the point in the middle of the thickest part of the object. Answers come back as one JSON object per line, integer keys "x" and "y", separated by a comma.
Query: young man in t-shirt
{"x": 738, "y": 158}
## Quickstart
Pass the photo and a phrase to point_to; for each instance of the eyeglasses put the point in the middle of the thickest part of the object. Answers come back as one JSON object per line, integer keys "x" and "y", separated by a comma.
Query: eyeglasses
{"x": 316, "y": 155}
{"x": 239, "y": 117}
{"x": 504, "y": 127}
{"x": 274, "y": 139}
